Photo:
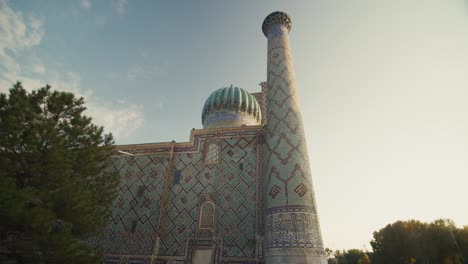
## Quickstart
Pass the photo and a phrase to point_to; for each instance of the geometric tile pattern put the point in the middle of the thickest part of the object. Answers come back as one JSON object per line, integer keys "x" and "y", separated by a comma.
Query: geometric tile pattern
{"x": 287, "y": 159}
{"x": 261, "y": 99}
{"x": 292, "y": 222}
{"x": 237, "y": 196}
{"x": 140, "y": 190}
{"x": 234, "y": 185}
{"x": 233, "y": 179}
{"x": 193, "y": 146}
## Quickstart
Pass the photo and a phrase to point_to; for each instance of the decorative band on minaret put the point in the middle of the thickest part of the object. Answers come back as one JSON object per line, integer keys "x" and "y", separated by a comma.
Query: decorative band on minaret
{"x": 292, "y": 226}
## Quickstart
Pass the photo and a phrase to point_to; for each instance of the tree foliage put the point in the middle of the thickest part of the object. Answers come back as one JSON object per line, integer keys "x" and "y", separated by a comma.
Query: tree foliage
{"x": 54, "y": 195}
{"x": 410, "y": 242}
{"x": 414, "y": 242}
{"x": 352, "y": 256}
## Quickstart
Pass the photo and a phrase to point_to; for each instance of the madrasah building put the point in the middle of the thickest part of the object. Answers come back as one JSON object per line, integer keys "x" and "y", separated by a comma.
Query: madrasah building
{"x": 240, "y": 191}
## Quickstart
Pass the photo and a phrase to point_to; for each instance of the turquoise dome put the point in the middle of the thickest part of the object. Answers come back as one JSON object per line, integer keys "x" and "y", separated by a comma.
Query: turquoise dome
{"x": 231, "y": 106}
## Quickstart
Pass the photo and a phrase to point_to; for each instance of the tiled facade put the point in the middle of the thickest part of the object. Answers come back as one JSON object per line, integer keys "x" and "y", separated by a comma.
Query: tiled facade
{"x": 239, "y": 193}
{"x": 233, "y": 184}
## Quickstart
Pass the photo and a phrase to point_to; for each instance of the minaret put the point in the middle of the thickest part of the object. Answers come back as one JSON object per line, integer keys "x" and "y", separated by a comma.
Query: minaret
{"x": 292, "y": 227}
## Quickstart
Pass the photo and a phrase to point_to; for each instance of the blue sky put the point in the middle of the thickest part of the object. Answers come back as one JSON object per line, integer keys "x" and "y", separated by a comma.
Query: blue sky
{"x": 383, "y": 88}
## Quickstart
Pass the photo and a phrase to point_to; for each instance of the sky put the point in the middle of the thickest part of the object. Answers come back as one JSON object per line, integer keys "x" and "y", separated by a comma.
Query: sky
{"x": 383, "y": 88}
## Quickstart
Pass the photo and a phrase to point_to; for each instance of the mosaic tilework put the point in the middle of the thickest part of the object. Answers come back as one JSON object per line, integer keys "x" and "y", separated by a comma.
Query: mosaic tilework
{"x": 237, "y": 197}
{"x": 193, "y": 146}
{"x": 187, "y": 158}
{"x": 293, "y": 232}
{"x": 261, "y": 99}
{"x": 233, "y": 180}
{"x": 277, "y": 31}
{"x": 142, "y": 182}
{"x": 292, "y": 226}
{"x": 288, "y": 166}
{"x": 276, "y": 18}
{"x": 126, "y": 260}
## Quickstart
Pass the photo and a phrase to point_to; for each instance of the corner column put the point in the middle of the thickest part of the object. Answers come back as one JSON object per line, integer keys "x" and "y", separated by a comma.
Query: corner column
{"x": 292, "y": 226}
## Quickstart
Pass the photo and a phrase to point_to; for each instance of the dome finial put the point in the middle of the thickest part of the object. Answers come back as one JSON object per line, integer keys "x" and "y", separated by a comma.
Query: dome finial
{"x": 276, "y": 18}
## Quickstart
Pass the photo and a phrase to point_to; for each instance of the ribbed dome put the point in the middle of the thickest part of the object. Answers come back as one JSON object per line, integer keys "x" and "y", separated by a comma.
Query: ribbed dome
{"x": 230, "y": 106}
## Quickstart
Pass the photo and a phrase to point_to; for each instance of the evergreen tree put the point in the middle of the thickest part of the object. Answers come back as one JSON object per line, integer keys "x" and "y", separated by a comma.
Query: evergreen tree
{"x": 54, "y": 195}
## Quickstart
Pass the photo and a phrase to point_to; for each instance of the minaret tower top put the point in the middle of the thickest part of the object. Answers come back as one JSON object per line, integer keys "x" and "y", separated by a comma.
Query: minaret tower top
{"x": 276, "y": 18}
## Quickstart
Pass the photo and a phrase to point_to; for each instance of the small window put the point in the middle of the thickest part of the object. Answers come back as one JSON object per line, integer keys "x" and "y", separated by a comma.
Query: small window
{"x": 212, "y": 154}
{"x": 176, "y": 178}
{"x": 133, "y": 227}
{"x": 141, "y": 190}
{"x": 207, "y": 216}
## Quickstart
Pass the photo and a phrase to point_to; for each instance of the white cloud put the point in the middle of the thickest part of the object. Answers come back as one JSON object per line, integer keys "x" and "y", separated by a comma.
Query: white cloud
{"x": 18, "y": 37}
{"x": 36, "y": 22}
{"x": 15, "y": 36}
{"x": 120, "y": 6}
{"x": 121, "y": 118}
{"x": 86, "y": 4}
{"x": 38, "y": 68}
